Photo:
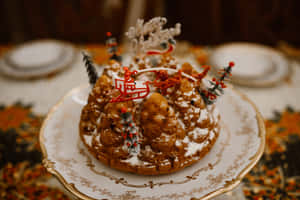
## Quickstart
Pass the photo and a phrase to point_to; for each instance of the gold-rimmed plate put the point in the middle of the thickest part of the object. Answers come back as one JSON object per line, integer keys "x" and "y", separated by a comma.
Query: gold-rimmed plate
{"x": 37, "y": 58}
{"x": 256, "y": 65}
{"x": 237, "y": 150}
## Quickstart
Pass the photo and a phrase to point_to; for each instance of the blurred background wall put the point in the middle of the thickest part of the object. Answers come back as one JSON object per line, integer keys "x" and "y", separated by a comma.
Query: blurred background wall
{"x": 203, "y": 21}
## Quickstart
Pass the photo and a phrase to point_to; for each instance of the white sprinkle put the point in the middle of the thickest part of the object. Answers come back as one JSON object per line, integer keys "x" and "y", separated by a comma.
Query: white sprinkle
{"x": 211, "y": 135}
{"x": 99, "y": 100}
{"x": 215, "y": 114}
{"x": 98, "y": 138}
{"x": 186, "y": 139}
{"x": 133, "y": 160}
{"x": 193, "y": 147}
{"x": 198, "y": 132}
{"x": 177, "y": 143}
{"x": 148, "y": 148}
{"x": 165, "y": 162}
{"x": 171, "y": 111}
{"x": 197, "y": 110}
{"x": 184, "y": 104}
{"x": 169, "y": 90}
{"x": 163, "y": 135}
{"x": 188, "y": 93}
{"x": 118, "y": 130}
{"x": 203, "y": 116}
{"x": 181, "y": 123}
{"x": 99, "y": 119}
{"x": 159, "y": 117}
{"x": 88, "y": 139}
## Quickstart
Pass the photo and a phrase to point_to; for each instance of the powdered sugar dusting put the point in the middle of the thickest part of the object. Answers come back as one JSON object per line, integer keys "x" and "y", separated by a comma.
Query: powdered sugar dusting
{"x": 203, "y": 116}
{"x": 88, "y": 139}
{"x": 134, "y": 160}
{"x": 198, "y": 132}
{"x": 181, "y": 123}
{"x": 194, "y": 147}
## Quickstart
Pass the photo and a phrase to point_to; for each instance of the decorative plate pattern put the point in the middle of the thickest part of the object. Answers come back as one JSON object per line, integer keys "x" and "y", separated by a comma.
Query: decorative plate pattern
{"x": 236, "y": 151}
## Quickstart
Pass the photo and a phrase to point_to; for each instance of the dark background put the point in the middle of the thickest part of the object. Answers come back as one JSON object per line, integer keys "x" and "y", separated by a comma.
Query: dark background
{"x": 203, "y": 21}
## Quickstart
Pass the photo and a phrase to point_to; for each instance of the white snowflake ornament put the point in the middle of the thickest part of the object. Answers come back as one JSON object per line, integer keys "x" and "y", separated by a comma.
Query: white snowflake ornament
{"x": 145, "y": 36}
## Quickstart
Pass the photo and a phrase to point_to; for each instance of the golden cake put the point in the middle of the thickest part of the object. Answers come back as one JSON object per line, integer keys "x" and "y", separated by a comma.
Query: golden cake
{"x": 150, "y": 117}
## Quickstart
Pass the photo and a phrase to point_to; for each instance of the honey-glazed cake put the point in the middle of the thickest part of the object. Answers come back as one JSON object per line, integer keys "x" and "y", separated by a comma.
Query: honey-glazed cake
{"x": 155, "y": 116}
{"x": 174, "y": 130}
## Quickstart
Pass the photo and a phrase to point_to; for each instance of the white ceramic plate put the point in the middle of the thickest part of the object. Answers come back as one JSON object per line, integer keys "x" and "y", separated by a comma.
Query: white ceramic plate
{"x": 37, "y": 58}
{"x": 255, "y": 65}
{"x": 236, "y": 151}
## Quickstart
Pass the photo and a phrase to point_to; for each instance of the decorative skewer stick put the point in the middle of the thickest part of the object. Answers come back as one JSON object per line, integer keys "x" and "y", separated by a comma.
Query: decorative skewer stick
{"x": 90, "y": 68}
{"x": 112, "y": 47}
{"x": 129, "y": 131}
{"x": 210, "y": 95}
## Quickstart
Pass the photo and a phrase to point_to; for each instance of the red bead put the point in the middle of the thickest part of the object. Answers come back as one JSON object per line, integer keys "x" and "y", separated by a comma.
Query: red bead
{"x": 128, "y": 144}
{"x": 108, "y": 34}
{"x": 123, "y": 110}
{"x": 231, "y": 64}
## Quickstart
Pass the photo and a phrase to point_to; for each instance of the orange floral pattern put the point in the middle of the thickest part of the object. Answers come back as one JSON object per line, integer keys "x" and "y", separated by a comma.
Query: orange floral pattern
{"x": 277, "y": 175}
{"x": 22, "y": 175}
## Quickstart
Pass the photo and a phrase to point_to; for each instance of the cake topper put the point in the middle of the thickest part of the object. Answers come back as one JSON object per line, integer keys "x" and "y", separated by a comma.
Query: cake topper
{"x": 171, "y": 43}
{"x": 217, "y": 86}
{"x": 112, "y": 47}
{"x": 131, "y": 89}
{"x": 145, "y": 36}
{"x": 90, "y": 68}
{"x": 128, "y": 88}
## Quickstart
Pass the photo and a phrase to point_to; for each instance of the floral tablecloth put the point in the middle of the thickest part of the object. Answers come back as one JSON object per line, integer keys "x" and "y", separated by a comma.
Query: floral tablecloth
{"x": 24, "y": 104}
